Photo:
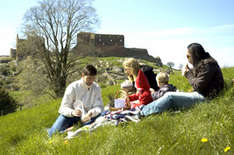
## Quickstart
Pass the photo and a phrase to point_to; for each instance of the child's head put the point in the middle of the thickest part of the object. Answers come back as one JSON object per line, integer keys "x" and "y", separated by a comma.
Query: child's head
{"x": 162, "y": 79}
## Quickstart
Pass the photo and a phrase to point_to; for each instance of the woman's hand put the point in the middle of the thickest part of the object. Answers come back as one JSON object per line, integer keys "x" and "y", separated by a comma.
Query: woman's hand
{"x": 185, "y": 69}
{"x": 127, "y": 102}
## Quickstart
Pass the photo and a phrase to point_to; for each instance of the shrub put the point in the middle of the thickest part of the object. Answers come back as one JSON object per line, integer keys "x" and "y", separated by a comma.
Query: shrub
{"x": 5, "y": 70}
{"x": 7, "y": 103}
{"x": 32, "y": 76}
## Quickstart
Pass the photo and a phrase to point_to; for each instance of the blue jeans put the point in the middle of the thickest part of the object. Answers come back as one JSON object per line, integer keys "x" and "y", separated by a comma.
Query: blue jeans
{"x": 63, "y": 122}
{"x": 172, "y": 100}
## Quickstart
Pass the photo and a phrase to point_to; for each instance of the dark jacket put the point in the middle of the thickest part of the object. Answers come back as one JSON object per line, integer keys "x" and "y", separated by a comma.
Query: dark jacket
{"x": 163, "y": 90}
{"x": 206, "y": 78}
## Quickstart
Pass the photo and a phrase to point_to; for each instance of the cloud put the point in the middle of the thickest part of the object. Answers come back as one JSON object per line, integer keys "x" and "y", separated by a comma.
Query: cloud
{"x": 170, "y": 44}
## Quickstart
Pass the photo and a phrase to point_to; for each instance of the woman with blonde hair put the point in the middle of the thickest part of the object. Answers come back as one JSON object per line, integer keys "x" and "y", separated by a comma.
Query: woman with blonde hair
{"x": 143, "y": 94}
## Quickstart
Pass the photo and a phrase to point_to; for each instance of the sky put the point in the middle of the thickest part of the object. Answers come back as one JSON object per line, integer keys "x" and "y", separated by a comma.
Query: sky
{"x": 164, "y": 27}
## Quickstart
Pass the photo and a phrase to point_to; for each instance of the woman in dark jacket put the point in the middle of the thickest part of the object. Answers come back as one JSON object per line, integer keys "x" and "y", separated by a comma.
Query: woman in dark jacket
{"x": 206, "y": 79}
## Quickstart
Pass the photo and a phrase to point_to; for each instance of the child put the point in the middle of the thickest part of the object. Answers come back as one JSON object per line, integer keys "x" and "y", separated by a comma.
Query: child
{"x": 162, "y": 81}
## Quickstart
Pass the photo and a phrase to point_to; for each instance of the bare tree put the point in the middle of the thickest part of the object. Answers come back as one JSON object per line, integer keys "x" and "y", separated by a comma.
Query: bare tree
{"x": 58, "y": 22}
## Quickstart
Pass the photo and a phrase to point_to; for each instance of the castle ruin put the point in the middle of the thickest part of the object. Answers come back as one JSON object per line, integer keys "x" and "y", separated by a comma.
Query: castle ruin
{"x": 26, "y": 47}
{"x": 88, "y": 44}
{"x": 105, "y": 45}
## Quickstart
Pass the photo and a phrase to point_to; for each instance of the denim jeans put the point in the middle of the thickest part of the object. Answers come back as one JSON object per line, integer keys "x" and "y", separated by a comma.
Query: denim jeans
{"x": 63, "y": 122}
{"x": 172, "y": 100}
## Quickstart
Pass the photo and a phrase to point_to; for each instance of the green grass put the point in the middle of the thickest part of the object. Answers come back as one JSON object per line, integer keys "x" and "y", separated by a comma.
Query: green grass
{"x": 23, "y": 132}
{"x": 113, "y": 61}
{"x": 6, "y": 58}
{"x": 28, "y": 99}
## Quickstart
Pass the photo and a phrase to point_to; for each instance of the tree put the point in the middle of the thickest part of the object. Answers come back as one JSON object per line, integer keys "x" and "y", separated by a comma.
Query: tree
{"x": 170, "y": 64}
{"x": 7, "y": 103}
{"x": 158, "y": 61}
{"x": 33, "y": 77}
{"x": 58, "y": 22}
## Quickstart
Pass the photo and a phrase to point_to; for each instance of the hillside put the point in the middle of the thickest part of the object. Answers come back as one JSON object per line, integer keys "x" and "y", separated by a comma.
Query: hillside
{"x": 28, "y": 80}
{"x": 180, "y": 132}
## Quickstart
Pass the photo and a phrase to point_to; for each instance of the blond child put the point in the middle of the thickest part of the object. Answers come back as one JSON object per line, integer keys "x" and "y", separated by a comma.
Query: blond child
{"x": 162, "y": 81}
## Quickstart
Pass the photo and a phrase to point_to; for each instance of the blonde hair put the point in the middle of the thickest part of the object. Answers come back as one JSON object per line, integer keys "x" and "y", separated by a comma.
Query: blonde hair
{"x": 162, "y": 78}
{"x": 132, "y": 63}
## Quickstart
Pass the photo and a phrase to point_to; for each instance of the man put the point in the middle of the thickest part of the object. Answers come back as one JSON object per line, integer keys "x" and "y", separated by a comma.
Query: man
{"x": 82, "y": 101}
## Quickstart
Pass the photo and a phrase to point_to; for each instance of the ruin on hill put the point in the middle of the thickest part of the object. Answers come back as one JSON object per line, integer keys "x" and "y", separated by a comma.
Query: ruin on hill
{"x": 88, "y": 44}
{"x": 106, "y": 45}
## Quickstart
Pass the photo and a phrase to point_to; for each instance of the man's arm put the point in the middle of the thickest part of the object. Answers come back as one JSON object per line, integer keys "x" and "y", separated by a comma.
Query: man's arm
{"x": 66, "y": 107}
{"x": 98, "y": 104}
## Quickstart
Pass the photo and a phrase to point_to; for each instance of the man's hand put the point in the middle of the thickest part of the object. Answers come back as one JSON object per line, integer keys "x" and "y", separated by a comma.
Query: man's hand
{"x": 76, "y": 113}
{"x": 87, "y": 117}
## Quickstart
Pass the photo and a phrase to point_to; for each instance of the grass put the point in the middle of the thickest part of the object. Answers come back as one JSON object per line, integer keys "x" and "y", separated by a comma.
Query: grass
{"x": 27, "y": 99}
{"x": 112, "y": 61}
{"x": 6, "y": 58}
{"x": 23, "y": 132}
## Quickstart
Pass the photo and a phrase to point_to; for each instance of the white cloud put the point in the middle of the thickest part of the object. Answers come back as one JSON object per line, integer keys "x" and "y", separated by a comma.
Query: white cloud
{"x": 171, "y": 44}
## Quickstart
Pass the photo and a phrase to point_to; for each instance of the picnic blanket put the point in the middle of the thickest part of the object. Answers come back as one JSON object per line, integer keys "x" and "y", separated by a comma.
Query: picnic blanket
{"x": 108, "y": 118}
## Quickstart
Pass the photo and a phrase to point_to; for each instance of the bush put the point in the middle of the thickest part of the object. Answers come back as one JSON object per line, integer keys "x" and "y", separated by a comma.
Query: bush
{"x": 5, "y": 70}
{"x": 7, "y": 103}
{"x": 32, "y": 76}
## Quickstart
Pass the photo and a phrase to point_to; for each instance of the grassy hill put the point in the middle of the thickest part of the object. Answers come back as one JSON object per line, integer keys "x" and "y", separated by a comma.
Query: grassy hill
{"x": 180, "y": 132}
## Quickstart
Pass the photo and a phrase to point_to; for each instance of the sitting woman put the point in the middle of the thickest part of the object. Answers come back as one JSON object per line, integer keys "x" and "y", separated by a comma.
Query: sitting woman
{"x": 143, "y": 94}
{"x": 206, "y": 79}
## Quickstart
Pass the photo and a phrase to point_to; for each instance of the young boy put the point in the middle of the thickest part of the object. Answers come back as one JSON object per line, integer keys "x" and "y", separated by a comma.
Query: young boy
{"x": 162, "y": 81}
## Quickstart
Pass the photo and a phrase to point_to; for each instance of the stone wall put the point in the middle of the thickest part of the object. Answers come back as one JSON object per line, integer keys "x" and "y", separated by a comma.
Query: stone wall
{"x": 31, "y": 46}
{"x": 13, "y": 53}
{"x": 107, "y": 45}
{"x": 100, "y": 40}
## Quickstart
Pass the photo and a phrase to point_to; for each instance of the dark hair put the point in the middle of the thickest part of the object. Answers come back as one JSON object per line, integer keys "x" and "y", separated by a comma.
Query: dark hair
{"x": 89, "y": 70}
{"x": 197, "y": 53}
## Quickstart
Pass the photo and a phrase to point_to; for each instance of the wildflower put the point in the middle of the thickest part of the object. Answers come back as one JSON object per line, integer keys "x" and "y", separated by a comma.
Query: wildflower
{"x": 66, "y": 142}
{"x": 204, "y": 140}
{"x": 227, "y": 149}
{"x": 50, "y": 141}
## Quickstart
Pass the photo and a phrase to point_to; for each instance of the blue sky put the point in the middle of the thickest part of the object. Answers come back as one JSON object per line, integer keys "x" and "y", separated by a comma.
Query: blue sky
{"x": 163, "y": 27}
